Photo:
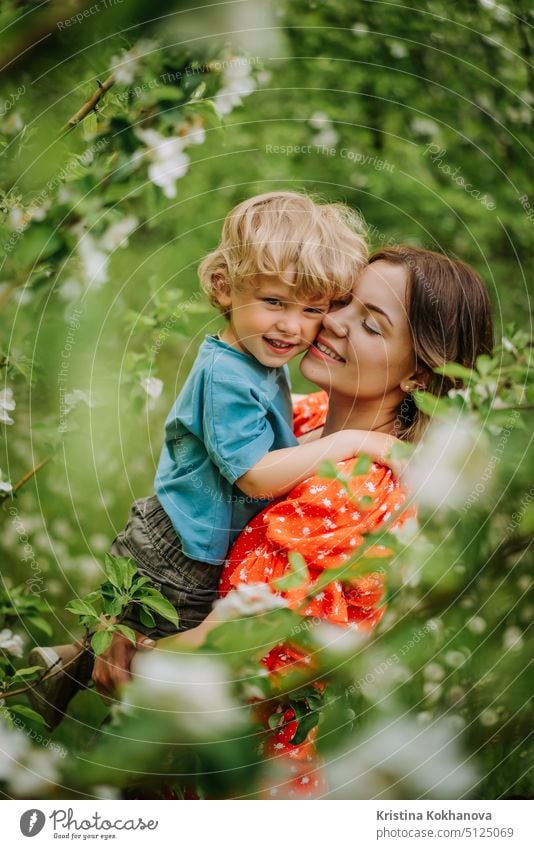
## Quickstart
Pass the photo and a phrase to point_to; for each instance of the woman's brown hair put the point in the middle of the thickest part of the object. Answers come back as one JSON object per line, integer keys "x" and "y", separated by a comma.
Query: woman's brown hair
{"x": 449, "y": 312}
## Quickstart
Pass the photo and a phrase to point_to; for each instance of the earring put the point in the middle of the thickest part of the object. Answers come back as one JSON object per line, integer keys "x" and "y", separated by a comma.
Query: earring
{"x": 409, "y": 386}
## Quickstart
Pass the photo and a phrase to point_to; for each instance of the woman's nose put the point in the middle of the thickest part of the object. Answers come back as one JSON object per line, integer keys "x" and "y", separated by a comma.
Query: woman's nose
{"x": 336, "y": 322}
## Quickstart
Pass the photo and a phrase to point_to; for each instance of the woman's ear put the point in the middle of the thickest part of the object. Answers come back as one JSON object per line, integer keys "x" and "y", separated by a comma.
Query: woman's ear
{"x": 418, "y": 381}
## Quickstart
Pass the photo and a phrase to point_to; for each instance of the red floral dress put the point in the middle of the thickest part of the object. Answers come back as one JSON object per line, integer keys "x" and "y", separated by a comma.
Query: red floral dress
{"x": 319, "y": 520}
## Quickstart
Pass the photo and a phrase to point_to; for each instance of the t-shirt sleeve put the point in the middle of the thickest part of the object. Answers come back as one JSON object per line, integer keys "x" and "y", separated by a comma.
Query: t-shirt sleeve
{"x": 237, "y": 431}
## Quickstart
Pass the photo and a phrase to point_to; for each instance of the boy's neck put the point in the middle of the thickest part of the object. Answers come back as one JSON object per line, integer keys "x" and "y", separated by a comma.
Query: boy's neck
{"x": 228, "y": 336}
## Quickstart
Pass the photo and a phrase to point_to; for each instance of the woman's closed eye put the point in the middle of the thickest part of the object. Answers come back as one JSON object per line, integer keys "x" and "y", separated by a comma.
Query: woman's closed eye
{"x": 370, "y": 328}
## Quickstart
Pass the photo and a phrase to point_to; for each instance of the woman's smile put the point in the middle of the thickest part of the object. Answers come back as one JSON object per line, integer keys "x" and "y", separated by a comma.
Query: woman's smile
{"x": 324, "y": 350}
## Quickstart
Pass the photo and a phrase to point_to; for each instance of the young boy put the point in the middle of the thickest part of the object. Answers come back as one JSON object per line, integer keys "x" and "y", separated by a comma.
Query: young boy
{"x": 229, "y": 445}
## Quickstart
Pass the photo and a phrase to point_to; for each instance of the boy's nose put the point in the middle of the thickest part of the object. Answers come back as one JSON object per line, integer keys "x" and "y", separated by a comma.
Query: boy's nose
{"x": 289, "y": 324}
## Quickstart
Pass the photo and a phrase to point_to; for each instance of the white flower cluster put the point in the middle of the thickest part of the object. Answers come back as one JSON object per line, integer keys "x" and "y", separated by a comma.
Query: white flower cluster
{"x": 27, "y": 770}
{"x": 126, "y": 66}
{"x": 168, "y": 162}
{"x": 153, "y": 387}
{"x": 326, "y": 134}
{"x": 95, "y": 253}
{"x": 238, "y": 83}
{"x": 444, "y": 465}
{"x": 5, "y": 485}
{"x": 11, "y": 643}
{"x": 248, "y": 600}
{"x": 72, "y": 399}
{"x": 193, "y": 688}
{"x": 397, "y": 758}
{"x": 7, "y": 405}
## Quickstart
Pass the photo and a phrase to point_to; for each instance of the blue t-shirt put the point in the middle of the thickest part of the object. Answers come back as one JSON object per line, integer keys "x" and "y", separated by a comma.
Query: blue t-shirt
{"x": 230, "y": 413}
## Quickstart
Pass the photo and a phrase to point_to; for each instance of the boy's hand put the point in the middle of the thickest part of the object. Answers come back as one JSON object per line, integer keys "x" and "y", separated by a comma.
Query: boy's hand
{"x": 112, "y": 668}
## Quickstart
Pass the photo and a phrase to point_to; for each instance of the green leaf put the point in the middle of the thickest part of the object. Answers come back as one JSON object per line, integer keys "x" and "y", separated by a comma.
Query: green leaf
{"x": 138, "y": 583}
{"x": 82, "y": 608}
{"x": 362, "y": 465}
{"x": 274, "y": 720}
{"x": 157, "y": 602}
{"x": 146, "y": 617}
{"x": 328, "y": 469}
{"x": 28, "y": 670}
{"x": 23, "y": 710}
{"x": 304, "y": 727}
{"x": 37, "y": 243}
{"x": 432, "y": 406}
{"x": 41, "y": 624}
{"x": 120, "y": 571}
{"x": 101, "y": 641}
{"x": 485, "y": 364}
{"x": 254, "y": 635}
{"x": 114, "y": 606}
{"x": 456, "y": 370}
{"x": 129, "y": 633}
{"x": 297, "y": 575}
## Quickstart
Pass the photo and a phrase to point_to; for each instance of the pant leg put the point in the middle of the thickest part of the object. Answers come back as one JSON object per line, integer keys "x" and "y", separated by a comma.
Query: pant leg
{"x": 151, "y": 541}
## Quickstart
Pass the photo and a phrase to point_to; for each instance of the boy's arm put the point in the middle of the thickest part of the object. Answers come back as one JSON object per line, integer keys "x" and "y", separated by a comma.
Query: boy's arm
{"x": 279, "y": 471}
{"x": 311, "y": 436}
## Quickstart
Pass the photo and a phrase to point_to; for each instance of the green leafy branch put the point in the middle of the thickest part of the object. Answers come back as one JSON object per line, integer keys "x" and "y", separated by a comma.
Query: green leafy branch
{"x": 99, "y": 611}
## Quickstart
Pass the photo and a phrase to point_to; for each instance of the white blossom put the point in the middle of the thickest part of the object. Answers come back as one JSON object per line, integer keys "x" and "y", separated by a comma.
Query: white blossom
{"x": 193, "y": 687}
{"x": 126, "y": 66}
{"x": 476, "y": 625}
{"x": 454, "y": 658}
{"x": 34, "y": 777}
{"x": 193, "y": 133}
{"x": 424, "y": 127}
{"x": 434, "y": 672}
{"x": 5, "y": 485}
{"x": 11, "y": 643}
{"x": 508, "y": 345}
{"x": 359, "y": 29}
{"x": 512, "y": 639}
{"x": 116, "y": 236}
{"x": 7, "y": 405}
{"x": 398, "y": 50}
{"x": 447, "y": 463}
{"x": 71, "y": 399}
{"x": 249, "y": 600}
{"x": 399, "y": 757}
{"x": 339, "y": 640}
{"x": 70, "y": 290}
{"x": 237, "y": 83}
{"x": 153, "y": 387}
{"x": 168, "y": 161}
{"x": 13, "y": 747}
{"x": 489, "y": 717}
{"x": 94, "y": 260}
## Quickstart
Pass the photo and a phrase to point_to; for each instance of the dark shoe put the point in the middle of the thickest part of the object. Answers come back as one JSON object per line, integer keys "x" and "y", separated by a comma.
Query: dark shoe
{"x": 66, "y": 671}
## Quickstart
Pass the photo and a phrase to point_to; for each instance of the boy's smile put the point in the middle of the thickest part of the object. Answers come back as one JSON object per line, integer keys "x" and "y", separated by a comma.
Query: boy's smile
{"x": 268, "y": 321}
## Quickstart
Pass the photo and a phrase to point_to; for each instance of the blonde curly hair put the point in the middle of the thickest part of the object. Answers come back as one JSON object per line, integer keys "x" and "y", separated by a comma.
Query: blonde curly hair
{"x": 277, "y": 231}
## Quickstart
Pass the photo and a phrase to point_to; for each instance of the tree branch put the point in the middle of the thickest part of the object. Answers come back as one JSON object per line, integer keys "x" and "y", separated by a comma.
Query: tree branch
{"x": 31, "y": 473}
{"x": 89, "y": 105}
